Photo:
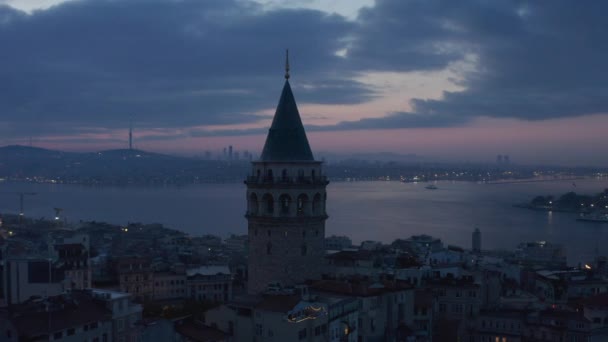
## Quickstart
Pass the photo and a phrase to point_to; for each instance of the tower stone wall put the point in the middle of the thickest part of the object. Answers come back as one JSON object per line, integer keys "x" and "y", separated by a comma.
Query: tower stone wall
{"x": 286, "y": 217}
{"x": 286, "y": 211}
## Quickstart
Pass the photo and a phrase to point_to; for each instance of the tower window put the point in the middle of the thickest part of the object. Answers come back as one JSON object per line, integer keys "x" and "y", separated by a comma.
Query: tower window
{"x": 269, "y": 232}
{"x": 303, "y": 249}
{"x": 284, "y": 175}
{"x": 285, "y": 204}
{"x": 302, "y": 202}
{"x": 253, "y": 204}
{"x": 269, "y": 248}
{"x": 268, "y": 203}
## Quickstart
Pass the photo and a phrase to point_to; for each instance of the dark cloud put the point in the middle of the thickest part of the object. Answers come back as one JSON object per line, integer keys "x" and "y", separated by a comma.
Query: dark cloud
{"x": 162, "y": 63}
{"x": 177, "y": 64}
{"x": 535, "y": 60}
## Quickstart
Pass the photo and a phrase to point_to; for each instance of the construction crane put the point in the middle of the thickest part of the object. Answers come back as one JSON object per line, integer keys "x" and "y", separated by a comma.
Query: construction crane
{"x": 21, "y": 212}
{"x": 57, "y": 212}
{"x": 21, "y": 195}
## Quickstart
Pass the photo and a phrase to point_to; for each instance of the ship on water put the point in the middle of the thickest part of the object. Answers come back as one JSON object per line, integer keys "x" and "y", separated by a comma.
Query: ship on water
{"x": 600, "y": 217}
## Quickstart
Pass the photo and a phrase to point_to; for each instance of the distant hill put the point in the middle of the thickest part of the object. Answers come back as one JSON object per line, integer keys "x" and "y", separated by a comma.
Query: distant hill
{"x": 20, "y": 151}
{"x": 120, "y": 166}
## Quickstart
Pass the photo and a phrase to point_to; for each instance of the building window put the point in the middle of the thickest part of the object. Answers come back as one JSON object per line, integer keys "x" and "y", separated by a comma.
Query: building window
{"x": 457, "y": 308}
{"x": 258, "y": 330}
{"x": 302, "y": 334}
{"x": 285, "y": 201}
{"x": 58, "y": 335}
{"x": 317, "y": 331}
{"x": 303, "y": 249}
{"x": 269, "y": 248}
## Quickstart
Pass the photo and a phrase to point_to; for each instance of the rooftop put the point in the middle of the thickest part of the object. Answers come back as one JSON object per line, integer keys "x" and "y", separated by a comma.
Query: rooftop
{"x": 286, "y": 140}
{"x": 208, "y": 270}
{"x": 32, "y": 319}
{"x": 109, "y": 294}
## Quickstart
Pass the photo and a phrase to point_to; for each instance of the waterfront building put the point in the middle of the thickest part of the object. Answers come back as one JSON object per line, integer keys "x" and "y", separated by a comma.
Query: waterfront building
{"x": 286, "y": 204}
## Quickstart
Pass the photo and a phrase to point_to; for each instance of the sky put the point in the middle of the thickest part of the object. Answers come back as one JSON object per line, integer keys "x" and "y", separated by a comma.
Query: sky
{"x": 446, "y": 80}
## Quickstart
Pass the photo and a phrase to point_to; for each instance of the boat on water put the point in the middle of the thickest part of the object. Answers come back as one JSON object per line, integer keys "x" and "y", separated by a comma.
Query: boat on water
{"x": 594, "y": 217}
{"x": 431, "y": 187}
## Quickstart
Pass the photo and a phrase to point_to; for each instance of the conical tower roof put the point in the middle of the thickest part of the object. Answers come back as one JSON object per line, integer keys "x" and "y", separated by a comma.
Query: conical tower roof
{"x": 286, "y": 140}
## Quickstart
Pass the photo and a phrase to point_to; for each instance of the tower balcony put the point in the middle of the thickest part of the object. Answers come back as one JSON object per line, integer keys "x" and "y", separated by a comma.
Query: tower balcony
{"x": 286, "y": 181}
{"x": 265, "y": 218}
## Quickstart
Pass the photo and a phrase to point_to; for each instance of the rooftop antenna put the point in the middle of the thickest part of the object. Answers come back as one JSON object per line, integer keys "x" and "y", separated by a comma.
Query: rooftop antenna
{"x": 287, "y": 64}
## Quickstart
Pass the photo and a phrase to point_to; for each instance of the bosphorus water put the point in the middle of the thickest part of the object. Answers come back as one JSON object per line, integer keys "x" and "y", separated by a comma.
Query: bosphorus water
{"x": 361, "y": 210}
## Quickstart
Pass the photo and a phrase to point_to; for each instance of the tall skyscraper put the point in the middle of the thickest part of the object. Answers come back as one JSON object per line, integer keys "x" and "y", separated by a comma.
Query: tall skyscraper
{"x": 286, "y": 194}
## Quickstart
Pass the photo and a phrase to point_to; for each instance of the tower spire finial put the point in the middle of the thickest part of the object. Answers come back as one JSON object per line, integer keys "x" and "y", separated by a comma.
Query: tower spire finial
{"x": 287, "y": 64}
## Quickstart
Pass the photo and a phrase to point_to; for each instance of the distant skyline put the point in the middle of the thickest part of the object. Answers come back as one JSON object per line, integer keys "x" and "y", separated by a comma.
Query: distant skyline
{"x": 447, "y": 80}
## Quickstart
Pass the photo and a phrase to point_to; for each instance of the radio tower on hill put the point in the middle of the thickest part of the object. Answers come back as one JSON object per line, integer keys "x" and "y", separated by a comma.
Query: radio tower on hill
{"x": 131, "y": 135}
